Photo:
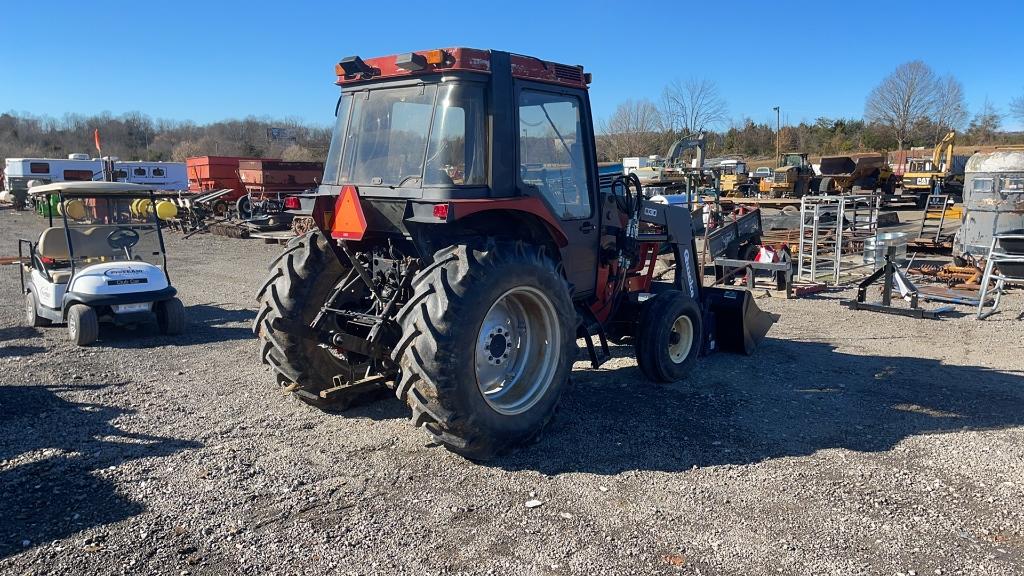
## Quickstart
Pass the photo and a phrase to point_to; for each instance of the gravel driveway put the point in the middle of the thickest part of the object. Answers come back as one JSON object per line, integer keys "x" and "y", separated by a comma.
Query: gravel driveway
{"x": 850, "y": 443}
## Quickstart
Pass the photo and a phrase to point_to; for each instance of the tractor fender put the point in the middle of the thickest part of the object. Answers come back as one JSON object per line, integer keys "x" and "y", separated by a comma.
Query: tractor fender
{"x": 536, "y": 207}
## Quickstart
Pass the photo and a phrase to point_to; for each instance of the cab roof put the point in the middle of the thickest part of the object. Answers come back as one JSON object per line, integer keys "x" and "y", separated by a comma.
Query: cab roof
{"x": 353, "y": 69}
{"x": 90, "y": 188}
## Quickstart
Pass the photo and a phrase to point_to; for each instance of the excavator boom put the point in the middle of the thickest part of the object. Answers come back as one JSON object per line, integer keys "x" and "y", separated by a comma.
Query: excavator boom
{"x": 942, "y": 156}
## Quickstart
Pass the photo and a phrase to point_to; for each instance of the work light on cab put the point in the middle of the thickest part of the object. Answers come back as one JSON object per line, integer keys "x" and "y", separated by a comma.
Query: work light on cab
{"x": 349, "y": 221}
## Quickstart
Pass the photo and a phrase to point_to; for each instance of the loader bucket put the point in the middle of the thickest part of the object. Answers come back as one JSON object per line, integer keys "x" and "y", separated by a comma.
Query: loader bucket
{"x": 737, "y": 323}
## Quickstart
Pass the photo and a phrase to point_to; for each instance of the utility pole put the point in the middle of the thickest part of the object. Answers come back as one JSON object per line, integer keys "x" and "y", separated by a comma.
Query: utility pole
{"x": 778, "y": 133}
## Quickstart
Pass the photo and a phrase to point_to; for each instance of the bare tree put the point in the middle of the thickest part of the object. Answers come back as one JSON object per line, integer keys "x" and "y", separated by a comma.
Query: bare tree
{"x": 694, "y": 105}
{"x": 985, "y": 124}
{"x": 634, "y": 129}
{"x": 297, "y": 153}
{"x": 950, "y": 106}
{"x": 904, "y": 97}
{"x": 1017, "y": 108}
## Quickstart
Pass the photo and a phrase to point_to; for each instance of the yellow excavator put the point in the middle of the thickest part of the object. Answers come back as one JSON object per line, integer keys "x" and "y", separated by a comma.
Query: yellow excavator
{"x": 922, "y": 174}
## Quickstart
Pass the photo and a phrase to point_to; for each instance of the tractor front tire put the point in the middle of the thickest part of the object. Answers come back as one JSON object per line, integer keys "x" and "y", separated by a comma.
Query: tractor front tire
{"x": 669, "y": 337}
{"x": 488, "y": 342}
{"x": 170, "y": 316}
{"x": 83, "y": 325}
{"x": 300, "y": 281}
{"x": 32, "y": 316}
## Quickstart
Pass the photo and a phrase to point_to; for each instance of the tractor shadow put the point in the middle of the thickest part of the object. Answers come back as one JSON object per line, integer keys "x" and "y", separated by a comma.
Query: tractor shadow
{"x": 789, "y": 399}
{"x": 204, "y": 324}
{"x": 53, "y": 450}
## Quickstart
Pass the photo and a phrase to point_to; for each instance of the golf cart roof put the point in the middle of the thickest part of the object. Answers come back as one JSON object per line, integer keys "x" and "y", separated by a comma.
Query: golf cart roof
{"x": 90, "y": 188}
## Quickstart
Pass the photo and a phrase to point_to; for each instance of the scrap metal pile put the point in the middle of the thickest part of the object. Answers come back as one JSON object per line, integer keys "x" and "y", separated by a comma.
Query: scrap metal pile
{"x": 951, "y": 274}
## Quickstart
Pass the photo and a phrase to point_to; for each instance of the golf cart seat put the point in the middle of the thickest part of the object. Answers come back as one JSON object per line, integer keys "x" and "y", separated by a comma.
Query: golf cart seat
{"x": 60, "y": 276}
{"x": 88, "y": 242}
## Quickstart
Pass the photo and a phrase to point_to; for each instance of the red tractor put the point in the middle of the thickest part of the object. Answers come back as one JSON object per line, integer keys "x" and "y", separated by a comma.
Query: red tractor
{"x": 464, "y": 244}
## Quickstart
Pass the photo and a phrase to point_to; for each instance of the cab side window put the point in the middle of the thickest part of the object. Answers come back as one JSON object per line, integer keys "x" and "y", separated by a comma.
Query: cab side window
{"x": 551, "y": 158}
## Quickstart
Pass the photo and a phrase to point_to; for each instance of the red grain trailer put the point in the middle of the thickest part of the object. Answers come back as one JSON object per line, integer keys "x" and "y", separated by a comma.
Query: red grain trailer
{"x": 268, "y": 183}
{"x": 207, "y": 173}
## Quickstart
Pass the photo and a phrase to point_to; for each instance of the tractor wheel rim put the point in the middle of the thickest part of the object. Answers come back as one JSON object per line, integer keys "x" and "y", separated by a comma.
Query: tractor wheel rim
{"x": 680, "y": 339}
{"x": 517, "y": 350}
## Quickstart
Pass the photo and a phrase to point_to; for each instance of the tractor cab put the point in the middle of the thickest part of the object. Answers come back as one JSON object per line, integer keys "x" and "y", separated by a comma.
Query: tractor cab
{"x": 425, "y": 137}
{"x": 101, "y": 257}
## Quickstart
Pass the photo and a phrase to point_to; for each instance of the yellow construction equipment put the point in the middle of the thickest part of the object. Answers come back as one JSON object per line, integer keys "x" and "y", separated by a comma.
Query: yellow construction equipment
{"x": 924, "y": 173}
{"x": 793, "y": 178}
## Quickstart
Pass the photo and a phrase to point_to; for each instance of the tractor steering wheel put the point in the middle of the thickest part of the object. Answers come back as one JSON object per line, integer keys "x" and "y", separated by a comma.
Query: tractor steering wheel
{"x": 123, "y": 238}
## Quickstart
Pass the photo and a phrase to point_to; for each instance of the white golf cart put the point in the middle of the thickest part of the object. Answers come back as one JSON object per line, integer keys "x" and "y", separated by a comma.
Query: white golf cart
{"x": 104, "y": 260}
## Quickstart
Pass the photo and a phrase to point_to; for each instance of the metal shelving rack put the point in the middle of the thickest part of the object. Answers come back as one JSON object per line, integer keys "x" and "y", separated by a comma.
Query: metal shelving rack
{"x": 831, "y": 227}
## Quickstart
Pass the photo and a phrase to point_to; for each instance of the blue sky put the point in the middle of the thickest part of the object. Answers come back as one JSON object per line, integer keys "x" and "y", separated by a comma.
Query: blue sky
{"x": 206, "y": 61}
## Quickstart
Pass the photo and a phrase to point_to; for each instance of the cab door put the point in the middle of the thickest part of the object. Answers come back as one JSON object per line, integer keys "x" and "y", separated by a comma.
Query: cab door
{"x": 557, "y": 163}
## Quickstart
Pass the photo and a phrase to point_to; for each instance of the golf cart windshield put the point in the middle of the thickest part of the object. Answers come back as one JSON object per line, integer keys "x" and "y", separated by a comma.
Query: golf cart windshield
{"x": 429, "y": 135}
{"x": 105, "y": 229}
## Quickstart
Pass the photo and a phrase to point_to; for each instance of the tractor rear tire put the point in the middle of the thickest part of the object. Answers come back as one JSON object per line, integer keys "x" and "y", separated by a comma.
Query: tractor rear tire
{"x": 300, "y": 282}
{"x": 474, "y": 309}
{"x": 170, "y": 316}
{"x": 83, "y": 325}
{"x": 669, "y": 337}
{"x": 32, "y": 316}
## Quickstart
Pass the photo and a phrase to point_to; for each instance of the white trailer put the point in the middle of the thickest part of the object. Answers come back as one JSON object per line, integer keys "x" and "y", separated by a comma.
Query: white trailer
{"x": 18, "y": 172}
{"x": 160, "y": 175}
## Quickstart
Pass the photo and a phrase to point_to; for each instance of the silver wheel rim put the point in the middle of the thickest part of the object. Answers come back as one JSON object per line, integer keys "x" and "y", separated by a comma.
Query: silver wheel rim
{"x": 680, "y": 339}
{"x": 517, "y": 350}
{"x": 73, "y": 324}
{"x": 30, "y": 308}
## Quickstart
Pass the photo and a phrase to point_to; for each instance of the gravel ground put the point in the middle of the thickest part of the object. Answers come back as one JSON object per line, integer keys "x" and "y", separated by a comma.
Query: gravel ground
{"x": 850, "y": 443}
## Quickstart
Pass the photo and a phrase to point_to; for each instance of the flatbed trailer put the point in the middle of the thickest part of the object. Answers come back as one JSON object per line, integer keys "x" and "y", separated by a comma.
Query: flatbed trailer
{"x": 761, "y": 202}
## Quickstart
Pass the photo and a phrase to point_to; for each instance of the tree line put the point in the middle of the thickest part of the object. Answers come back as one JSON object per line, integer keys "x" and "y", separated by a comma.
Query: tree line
{"x": 136, "y": 136}
{"x": 912, "y": 106}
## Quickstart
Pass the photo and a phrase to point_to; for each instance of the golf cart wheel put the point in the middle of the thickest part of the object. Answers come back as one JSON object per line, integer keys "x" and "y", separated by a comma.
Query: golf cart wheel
{"x": 669, "y": 337}
{"x": 83, "y": 325}
{"x": 170, "y": 316}
{"x": 32, "y": 317}
{"x": 487, "y": 346}
{"x": 301, "y": 280}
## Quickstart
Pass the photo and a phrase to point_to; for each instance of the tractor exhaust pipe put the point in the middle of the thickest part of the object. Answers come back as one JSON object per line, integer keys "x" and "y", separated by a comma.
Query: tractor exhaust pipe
{"x": 733, "y": 322}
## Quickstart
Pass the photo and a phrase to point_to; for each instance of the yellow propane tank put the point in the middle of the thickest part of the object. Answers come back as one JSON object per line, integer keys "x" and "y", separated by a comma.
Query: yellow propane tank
{"x": 73, "y": 208}
{"x": 165, "y": 210}
{"x": 142, "y": 207}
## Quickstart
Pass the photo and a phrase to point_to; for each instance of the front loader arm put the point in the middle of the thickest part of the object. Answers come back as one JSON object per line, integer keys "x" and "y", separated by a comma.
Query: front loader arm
{"x": 673, "y": 225}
